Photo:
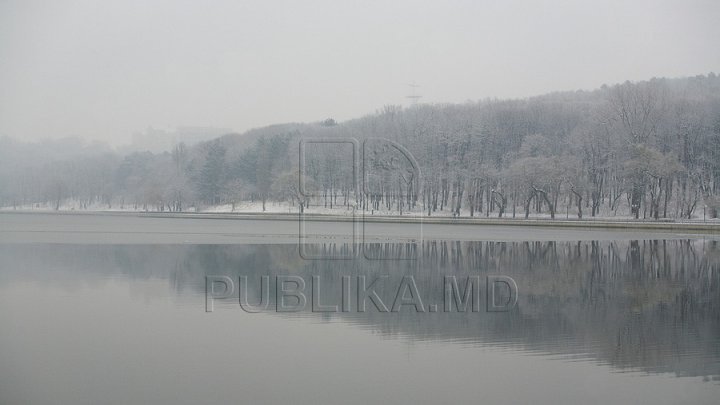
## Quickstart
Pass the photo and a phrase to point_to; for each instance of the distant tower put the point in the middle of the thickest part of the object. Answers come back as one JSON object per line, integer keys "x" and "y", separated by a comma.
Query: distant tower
{"x": 414, "y": 96}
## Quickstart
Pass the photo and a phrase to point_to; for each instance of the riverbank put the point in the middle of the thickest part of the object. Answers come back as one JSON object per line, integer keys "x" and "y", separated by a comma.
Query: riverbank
{"x": 708, "y": 227}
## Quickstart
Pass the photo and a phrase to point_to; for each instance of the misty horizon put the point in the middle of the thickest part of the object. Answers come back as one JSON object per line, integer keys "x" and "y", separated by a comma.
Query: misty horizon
{"x": 163, "y": 139}
{"x": 104, "y": 73}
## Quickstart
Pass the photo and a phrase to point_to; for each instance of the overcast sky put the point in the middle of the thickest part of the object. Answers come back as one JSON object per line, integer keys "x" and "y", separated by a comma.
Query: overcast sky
{"x": 105, "y": 69}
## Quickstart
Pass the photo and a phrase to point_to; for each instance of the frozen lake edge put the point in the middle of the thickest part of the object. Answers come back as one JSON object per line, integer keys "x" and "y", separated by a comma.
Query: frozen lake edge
{"x": 95, "y": 227}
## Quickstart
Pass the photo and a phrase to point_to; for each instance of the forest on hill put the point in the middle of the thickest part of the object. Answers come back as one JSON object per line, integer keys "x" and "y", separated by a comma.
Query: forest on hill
{"x": 647, "y": 149}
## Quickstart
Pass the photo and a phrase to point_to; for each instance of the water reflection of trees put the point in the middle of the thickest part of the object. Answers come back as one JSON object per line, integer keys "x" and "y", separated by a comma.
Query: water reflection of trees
{"x": 647, "y": 304}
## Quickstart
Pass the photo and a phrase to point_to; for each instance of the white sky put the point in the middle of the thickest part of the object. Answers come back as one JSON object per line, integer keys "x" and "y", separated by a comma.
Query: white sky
{"x": 103, "y": 70}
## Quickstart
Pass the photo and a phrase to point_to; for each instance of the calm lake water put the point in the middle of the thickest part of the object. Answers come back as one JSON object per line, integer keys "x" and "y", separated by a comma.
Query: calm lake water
{"x": 617, "y": 320}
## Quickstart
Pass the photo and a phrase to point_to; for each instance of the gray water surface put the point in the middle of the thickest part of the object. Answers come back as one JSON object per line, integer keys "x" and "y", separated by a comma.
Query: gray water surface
{"x": 615, "y": 319}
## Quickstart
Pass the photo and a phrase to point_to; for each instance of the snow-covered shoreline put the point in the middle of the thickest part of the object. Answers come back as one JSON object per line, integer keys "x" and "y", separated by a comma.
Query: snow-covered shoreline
{"x": 692, "y": 228}
{"x": 275, "y": 208}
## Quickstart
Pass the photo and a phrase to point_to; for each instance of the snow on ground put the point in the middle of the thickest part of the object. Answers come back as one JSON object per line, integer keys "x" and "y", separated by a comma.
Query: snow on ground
{"x": 275, "y": 207}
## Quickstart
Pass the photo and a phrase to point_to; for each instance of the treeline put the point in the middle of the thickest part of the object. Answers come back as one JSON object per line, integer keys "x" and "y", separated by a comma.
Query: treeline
{"x": 648, "y": 149}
